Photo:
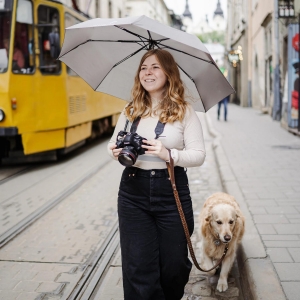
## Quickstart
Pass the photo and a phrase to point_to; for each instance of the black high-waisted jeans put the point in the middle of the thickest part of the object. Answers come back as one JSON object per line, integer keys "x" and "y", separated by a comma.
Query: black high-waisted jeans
{"x": 154, "y": 251}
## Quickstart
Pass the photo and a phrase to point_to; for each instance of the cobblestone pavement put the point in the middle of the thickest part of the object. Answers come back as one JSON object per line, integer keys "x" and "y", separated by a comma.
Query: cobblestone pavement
{"x": 47, "y": 259}
{"x": 28, "y": 192}
{"x": 265, "y": 160}
{"x": 203, "y": 181}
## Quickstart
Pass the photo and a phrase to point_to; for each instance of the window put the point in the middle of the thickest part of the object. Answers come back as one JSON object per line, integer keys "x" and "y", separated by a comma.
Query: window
{"x": 5, "y": 27}
{"x": 49, "y": 39}
{"x": 21, "y": 42}
{"x": 23, "y": 53}
{"x": 70, "y": 21}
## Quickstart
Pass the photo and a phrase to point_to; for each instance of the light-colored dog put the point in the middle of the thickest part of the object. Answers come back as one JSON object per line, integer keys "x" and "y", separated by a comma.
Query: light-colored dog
{"x": 221, "y": 223}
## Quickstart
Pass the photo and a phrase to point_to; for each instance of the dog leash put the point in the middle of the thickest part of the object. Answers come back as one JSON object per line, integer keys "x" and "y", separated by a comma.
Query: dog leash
{"x": 170, "y": 166}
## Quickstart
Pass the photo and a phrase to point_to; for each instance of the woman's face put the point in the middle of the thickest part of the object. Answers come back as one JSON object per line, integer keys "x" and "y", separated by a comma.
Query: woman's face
{"x": 152, "y": 77}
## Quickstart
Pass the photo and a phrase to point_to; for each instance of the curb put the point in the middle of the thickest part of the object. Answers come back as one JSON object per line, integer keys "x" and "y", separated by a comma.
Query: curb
{"x": 259, "y": 279}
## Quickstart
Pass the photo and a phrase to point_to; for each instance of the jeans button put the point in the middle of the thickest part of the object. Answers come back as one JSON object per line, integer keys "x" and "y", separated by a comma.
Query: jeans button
{"x": 153, "y": 173}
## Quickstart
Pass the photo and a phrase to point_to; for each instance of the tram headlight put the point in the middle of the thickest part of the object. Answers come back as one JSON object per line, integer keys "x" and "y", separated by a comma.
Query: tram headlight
{"x": 2, "y": 115}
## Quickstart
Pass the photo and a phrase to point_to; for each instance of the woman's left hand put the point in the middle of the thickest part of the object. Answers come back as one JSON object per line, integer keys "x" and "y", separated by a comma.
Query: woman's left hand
{"x": 157, "y": 148}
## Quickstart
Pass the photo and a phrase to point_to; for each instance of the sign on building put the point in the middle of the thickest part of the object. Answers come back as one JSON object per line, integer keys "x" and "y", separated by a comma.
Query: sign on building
{"x": 293, "y": 74}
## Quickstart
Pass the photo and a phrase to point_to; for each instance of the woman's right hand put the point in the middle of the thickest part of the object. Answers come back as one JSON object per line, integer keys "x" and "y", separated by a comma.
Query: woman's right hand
{"x": 115, "y": 151}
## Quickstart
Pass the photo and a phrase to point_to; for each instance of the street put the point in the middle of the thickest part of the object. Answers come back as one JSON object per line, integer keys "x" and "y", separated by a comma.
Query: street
{"x": 59, "y": 220}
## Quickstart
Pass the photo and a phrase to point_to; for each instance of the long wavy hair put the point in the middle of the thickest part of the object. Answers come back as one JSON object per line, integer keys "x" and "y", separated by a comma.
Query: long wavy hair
{"x": 172, "y": 107}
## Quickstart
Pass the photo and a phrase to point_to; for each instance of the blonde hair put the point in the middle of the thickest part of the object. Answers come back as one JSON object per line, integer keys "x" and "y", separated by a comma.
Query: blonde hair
{"x": 173, "y": 105}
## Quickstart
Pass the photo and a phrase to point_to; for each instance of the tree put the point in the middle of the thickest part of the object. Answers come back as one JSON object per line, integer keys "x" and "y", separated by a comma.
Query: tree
{"x": 213, "y": 37}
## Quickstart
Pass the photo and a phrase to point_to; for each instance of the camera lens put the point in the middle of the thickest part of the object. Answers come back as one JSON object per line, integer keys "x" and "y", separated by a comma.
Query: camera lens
{"x": 127, "y": 157}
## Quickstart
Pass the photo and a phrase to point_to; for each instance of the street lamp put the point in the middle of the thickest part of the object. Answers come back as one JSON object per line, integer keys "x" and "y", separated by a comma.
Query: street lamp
{"x": 235, "y": 56}
{"x": 286, "y": 9}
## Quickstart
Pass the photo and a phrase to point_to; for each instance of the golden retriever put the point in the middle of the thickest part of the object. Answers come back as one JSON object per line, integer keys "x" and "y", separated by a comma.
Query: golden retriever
{"x": 221, "y": 223}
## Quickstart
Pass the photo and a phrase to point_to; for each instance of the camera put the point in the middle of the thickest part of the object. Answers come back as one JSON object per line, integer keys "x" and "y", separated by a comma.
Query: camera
{"x": 132, "y": 147}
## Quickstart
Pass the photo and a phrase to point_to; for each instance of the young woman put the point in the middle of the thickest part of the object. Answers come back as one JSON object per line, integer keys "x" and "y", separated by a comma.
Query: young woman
{"x": 154, "y": 251}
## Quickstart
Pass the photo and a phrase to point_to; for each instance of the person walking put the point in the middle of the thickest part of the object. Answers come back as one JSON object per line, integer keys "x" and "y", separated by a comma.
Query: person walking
{"x": 225, "y": 103}
{"x": 155, "y": 264}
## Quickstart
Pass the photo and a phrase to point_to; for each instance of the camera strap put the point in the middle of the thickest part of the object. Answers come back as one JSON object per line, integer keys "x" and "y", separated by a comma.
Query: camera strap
{"x": 159, "y": 129}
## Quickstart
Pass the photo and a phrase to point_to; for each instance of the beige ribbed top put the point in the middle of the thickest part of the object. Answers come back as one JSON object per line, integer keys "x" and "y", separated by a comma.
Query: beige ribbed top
{"x": 185, "y": 139}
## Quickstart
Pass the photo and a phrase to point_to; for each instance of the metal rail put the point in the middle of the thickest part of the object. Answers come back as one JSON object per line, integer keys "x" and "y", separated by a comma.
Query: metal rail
{"x": 16, "y": 174}
{"x": 30, "y": 219}
{"x": 95, "y": 268}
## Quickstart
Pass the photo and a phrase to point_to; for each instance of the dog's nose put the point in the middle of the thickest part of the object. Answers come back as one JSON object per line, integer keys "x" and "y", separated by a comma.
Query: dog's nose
{"x": 227, "y": 237}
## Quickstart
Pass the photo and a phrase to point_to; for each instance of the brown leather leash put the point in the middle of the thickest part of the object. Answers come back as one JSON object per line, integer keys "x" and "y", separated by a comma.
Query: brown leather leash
{"x": 170, "y": 166}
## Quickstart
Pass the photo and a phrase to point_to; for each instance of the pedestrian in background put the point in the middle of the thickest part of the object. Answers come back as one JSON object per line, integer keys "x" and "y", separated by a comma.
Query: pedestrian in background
{"x": 225, "y": 103}
{"x": 155, "y": 262}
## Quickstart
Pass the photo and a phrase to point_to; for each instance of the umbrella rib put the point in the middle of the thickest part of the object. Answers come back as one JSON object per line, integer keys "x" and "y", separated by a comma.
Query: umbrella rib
{"x": 121, "y": 61}
{"x": 193, "y": 82}
{"x": 106, "y": 41}
{"x": 208, "y": 61}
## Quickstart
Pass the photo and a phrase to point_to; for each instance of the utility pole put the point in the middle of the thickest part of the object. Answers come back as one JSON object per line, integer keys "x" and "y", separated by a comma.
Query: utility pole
{"x": 276, "y": 113}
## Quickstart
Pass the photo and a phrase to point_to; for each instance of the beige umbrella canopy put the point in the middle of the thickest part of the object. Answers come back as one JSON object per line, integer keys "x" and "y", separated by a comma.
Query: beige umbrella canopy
{"x": 106, "y": 54}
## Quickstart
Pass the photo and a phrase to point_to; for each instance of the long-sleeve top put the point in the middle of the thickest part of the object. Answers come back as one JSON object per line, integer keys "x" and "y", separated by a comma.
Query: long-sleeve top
{"x": 185, "y": 139}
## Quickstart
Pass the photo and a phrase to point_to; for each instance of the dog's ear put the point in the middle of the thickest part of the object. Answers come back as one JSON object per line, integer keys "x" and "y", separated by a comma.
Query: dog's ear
{"x": 208, "y": 217}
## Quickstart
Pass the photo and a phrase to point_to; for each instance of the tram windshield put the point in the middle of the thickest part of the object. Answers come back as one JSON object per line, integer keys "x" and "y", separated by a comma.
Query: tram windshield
{"x": 21, "y": 40}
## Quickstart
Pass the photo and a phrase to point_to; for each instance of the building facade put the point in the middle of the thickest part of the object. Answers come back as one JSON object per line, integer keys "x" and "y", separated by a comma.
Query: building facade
{"x": 155, "y": 9}
{"x": 260, "y": 79}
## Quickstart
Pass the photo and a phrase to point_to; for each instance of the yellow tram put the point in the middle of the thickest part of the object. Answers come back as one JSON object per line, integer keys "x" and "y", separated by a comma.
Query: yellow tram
{"x": 45, "y": 108}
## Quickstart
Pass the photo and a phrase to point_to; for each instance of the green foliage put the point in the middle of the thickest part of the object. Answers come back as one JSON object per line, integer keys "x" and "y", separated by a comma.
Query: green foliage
{"x": 213, "y": 37}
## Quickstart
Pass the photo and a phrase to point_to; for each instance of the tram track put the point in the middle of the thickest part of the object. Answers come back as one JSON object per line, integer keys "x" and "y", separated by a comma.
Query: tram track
{"x": 95, "y": 267}
{"x": 7, "y": 174}
{"x": 31, "y": 218}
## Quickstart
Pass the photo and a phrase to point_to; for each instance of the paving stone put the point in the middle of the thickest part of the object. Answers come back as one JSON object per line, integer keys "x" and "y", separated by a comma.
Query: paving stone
{"x": 295, "y": 253}
{"x": 288, "y": 271}
{"x": 201, "y": 289}
{"x": 8, "y": 295}
{"x": 49, "y": 287}
{"x": 25, "y": 275}
{"x": 45, "y": 276}
{"x": 279, "y": 255}
{"x": 287, "y": 228}
{"x": 28, "y": 296}
{"x": 282, "y": 210}
{"x": 8, "y": 284}
{"x": 270, "y": 219}
{"x": 265, "y": 229}
{"x": 292, "y": 290}
{"x": 27, "y": 285}
{"x": 279, "y": 237}
{"x": 282, "y": 244}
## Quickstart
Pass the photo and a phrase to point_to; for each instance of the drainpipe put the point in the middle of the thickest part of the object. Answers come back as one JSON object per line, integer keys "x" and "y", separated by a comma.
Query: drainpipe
{"x": 277, "y": 103}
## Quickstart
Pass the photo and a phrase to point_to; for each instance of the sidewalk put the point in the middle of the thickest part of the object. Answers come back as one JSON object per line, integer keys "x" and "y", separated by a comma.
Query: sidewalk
{"x": 259, "y": 163}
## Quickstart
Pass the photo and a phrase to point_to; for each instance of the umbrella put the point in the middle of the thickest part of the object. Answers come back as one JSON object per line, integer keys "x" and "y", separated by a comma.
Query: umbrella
{"x": 106, "y": 54}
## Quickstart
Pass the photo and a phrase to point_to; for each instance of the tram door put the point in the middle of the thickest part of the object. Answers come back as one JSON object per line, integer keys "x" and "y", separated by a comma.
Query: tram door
{"x": 50, "y": 86}
{"x": 18, "y": 40}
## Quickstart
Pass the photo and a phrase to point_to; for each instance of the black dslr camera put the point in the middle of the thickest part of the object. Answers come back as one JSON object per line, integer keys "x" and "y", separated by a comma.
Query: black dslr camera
{"x": 132, "y": 147}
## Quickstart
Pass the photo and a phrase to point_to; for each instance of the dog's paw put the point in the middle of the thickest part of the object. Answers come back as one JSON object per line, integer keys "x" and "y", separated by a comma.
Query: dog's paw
{"x": 222, "y": 285}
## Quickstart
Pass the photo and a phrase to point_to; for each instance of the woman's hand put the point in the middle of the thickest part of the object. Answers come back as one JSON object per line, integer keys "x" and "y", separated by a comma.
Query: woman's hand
{"x": 115, "y": 151}
{"x": 157, "y": 148}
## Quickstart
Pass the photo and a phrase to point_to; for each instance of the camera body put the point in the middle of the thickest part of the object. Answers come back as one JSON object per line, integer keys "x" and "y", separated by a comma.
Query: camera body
{"x": 132, "y": 147}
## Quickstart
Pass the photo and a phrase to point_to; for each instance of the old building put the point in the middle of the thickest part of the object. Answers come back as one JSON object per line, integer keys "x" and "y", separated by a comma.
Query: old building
{"x": 155, "y": 9}
{"x": 262, "y": 30}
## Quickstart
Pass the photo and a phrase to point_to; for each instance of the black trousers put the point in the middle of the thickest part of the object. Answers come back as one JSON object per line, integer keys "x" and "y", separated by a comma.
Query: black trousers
{"x": 155, "y": 262}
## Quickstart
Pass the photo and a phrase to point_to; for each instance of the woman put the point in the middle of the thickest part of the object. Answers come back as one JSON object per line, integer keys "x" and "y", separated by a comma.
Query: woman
{"x": 155, "y": 262}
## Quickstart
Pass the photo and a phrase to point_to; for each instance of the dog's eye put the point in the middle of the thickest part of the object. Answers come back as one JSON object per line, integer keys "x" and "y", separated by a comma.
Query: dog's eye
{"x": 230, "y": 222}
{"x": 219, "y": 222}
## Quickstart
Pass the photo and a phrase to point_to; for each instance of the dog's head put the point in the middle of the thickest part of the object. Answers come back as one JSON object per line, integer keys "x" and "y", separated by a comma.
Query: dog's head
{"x": 222, "y": 219}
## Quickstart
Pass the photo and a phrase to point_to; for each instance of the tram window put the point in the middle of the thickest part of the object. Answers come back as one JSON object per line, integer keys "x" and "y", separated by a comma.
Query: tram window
{"x": 23, "y": 55}
{"x": 49, "y": 39}
{"x": 70, "y": 21}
